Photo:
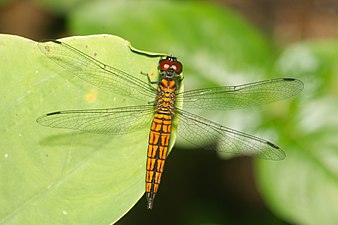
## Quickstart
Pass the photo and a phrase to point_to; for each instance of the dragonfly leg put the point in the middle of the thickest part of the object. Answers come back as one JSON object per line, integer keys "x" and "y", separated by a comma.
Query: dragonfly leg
{"x": 148, "y": 77}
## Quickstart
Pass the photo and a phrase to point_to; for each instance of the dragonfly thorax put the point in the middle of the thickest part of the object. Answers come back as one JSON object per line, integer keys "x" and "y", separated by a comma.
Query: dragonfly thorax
{"x": 166, "y": 95}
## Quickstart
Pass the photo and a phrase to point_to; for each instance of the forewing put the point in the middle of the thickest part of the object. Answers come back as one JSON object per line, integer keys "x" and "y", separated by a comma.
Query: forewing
{"x": 93, "y": 71}
{"x": 241, "y": 96}
{"x": 212, "y": 136}
{"x": 103, "y": 121}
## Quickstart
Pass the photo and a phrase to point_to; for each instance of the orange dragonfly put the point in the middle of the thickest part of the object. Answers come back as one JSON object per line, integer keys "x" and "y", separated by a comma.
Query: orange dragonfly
{"x": 163, "y": 108}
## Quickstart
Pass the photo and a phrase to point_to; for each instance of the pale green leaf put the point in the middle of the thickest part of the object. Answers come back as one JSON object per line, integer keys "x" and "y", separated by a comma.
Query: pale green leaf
{"x": 54, "y": 176}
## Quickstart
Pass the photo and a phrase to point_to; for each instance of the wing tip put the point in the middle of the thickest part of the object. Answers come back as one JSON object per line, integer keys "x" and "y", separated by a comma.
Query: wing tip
{"x": 289, "y": 79}
{"x": 279, "y": 156}
{"x": 299, "y": 82}
{"x": 40, "y": 120}
{"x": 53, "y": 113}
{"x": 272, "y": 145}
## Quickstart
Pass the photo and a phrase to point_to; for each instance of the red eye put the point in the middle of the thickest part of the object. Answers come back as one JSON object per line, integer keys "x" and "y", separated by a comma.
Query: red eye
{"x": 177, "y": 67}
{"x": 164, "y": 64}
{"x": 170, "y": 63}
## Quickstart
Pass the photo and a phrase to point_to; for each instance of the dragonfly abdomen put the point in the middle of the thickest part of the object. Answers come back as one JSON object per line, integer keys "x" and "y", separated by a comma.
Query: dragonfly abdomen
{"x": 158, "y": 143}
{"x": 159, "y": 137}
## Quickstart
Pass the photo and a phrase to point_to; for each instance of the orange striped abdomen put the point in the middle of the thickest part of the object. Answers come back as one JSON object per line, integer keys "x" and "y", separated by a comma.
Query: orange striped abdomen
{"x": 159, "y": 138}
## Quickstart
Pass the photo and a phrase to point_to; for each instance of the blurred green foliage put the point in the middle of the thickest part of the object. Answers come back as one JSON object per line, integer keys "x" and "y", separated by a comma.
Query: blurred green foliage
{"x": 218, "y": 47}
{"x": 306, "y": 187}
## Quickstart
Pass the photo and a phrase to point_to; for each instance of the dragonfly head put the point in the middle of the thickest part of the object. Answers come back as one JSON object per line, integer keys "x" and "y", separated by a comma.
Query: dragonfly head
{"x": 170, "y": 67}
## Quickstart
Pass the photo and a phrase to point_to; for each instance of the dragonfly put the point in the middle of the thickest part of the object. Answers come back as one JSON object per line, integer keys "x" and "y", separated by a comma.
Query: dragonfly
{"x": 164, "y": 108}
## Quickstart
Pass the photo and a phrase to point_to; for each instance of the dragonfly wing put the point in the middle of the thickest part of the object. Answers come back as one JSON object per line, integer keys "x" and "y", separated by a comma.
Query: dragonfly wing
{"x": 93, "y": 71}
{"x": 103, "y": 121}
{"x": 241, "y": 96}
{"x": 200, "y": 131}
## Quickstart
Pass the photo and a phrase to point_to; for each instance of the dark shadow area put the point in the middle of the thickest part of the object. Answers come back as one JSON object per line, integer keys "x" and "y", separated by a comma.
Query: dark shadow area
{"x": 198, "y": 187}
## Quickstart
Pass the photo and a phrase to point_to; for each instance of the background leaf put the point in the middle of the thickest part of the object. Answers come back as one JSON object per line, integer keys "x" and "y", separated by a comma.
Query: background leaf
{"x": 308, "y": 179}
{"x": 55, "y": 176}
{"x": 214, "y": 44}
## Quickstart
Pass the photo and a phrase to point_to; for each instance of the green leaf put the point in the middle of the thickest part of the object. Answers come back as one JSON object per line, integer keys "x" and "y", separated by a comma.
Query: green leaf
{"x": 215, "y": 45}
{"x": 55, "y": 176}
{"x": 303, "y": 189}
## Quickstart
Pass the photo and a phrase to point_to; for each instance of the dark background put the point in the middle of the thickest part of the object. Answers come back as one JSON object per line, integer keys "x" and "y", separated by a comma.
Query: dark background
{"x": 285, "y": 20}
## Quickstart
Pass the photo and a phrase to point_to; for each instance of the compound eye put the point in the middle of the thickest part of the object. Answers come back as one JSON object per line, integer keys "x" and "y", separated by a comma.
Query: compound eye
{"x": 177, "y": 67}
{"x": 164, "y": 64}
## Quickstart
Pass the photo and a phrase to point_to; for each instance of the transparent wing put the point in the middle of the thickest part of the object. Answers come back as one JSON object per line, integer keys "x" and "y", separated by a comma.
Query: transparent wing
{"x": 200, "y": 131}
{"x": 241, "y": 96}
{"x": 103, "y": 121}
{"x": 95, "y": 72}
